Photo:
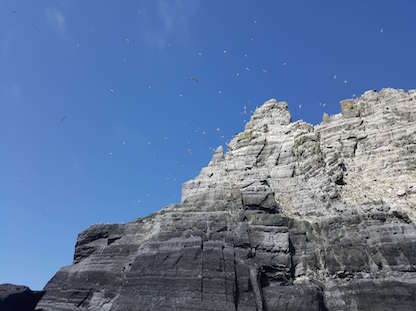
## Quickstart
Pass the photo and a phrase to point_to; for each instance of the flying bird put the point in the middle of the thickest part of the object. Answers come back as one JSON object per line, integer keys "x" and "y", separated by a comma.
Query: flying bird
{"x": 63, "y": 118}
{"x": 193, "y": 78}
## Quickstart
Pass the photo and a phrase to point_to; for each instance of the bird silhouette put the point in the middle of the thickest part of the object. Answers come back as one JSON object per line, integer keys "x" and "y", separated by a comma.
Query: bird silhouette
{"x": 63, "y": 118}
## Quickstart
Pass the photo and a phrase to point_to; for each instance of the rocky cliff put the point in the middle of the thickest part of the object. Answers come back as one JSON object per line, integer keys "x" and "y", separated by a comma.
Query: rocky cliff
{"x": 18, "y": 298}
{"x": 292, "y": 217}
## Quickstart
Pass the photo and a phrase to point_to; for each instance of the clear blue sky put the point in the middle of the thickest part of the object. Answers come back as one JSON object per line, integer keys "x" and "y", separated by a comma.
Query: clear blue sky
{"x": 102, "y": 119}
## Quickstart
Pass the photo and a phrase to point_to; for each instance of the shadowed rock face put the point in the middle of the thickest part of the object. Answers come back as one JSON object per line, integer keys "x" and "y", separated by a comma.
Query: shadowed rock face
{"x": 292, "y": 217}
{"x": 18, "y": 298}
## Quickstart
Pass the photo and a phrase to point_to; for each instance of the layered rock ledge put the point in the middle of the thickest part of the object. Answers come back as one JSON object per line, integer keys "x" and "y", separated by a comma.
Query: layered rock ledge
{"x": 292, "y": 217}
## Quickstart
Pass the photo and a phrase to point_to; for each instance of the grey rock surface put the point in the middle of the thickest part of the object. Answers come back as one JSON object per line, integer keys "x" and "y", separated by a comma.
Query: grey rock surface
{"x": 292, "y": 217}
{"x": 18, "y": 298}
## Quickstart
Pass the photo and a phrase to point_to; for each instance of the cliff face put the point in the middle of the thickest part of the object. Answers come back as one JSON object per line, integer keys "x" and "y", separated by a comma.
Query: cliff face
{"x": 292, "y": 217}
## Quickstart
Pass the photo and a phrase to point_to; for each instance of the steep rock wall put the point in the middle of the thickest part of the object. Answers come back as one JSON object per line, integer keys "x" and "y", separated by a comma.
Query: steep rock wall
{"x": 292, "y": 217}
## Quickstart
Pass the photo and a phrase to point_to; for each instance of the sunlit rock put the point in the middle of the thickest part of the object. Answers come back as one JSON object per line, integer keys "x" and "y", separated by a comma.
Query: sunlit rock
{"x": 292, "y": 217}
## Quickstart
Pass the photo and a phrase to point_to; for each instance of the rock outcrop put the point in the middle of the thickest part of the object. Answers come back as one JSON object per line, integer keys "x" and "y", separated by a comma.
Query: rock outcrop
{"x": 18, "y": 298}
{"x": 292, "y": 217}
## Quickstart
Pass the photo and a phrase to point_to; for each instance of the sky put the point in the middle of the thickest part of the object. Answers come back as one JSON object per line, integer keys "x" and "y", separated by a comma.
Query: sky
{"x": 107, "y": 107}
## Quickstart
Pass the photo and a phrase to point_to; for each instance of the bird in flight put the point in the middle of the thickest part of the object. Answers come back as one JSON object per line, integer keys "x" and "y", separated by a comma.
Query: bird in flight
{"x": 193, "y": 78}
{"x": 63, "y": 118}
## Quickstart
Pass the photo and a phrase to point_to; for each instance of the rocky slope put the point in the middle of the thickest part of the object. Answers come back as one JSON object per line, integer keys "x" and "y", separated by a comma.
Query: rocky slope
{"x": 292, "y": 217}
{"x": 18, "y": 298}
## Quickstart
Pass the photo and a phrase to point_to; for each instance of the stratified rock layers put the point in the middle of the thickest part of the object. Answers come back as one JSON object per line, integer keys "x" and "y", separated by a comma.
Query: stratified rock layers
{"x": 292, "y": 217}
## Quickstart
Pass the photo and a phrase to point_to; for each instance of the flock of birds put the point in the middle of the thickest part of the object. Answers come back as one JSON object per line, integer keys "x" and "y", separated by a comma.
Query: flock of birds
{"x": 196, "y": 80}
{"x": 218, "y": 130}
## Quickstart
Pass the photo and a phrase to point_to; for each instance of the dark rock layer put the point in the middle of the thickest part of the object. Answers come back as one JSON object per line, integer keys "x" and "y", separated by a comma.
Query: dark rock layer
{"x": 18, "y": 298}
{"x": 293, "y": 217}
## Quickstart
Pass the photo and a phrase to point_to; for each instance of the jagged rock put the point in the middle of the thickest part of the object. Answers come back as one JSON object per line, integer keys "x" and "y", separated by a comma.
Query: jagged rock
{"x": 325, "y": 117}
{"x": 18, "y": 298}
{"x": 291, "y": 217}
